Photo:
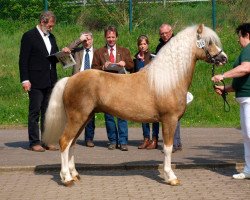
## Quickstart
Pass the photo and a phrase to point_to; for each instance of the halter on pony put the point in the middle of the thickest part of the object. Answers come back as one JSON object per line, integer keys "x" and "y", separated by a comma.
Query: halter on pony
{"x": 212, "y": 59}
{"x": 202, "y": 45}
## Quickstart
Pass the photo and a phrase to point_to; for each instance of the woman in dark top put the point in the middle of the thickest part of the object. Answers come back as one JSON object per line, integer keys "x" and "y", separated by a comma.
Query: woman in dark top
{"x": 142, "y": 58}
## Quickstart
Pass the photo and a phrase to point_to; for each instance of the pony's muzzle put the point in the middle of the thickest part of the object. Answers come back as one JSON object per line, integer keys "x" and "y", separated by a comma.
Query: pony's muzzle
{"x": 220, "y": 59}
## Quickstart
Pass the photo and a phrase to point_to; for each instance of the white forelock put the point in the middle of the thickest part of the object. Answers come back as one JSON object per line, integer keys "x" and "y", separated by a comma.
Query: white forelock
{"x": 173, "y": 61}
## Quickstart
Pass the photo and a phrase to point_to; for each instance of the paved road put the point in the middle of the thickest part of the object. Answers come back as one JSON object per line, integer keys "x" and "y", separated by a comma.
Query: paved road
{"x": 205, "y": 166}
{"x": 119, "y": 184}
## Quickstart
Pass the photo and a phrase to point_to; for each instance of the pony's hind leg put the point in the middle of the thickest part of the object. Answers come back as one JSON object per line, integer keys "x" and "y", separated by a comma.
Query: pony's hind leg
{"x": 71, "y": 132}
{"x": 75, "y": 175}
{"x": 67, "y": 141}
{"x": 65, "y": 172}
{"x": 168, "y": 129}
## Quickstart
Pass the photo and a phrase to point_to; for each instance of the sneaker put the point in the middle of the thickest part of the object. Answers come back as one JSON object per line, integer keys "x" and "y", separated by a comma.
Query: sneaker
{"x": 241, "y": 176}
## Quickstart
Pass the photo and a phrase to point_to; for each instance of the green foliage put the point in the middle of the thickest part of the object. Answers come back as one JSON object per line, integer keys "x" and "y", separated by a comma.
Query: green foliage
{"x": 107, "y": 14}
{"x": 20, "y": 10}
{"x": 236, "y": 12}
{"x": 18, "y": 16}
{"x": 27, "y": 10}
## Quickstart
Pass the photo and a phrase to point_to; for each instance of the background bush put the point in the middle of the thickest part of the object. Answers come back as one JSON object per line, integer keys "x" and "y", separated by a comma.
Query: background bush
{"x": 18, "y": 16}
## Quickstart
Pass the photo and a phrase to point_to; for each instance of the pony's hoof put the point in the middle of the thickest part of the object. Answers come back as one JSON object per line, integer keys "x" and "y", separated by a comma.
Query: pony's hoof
{"x": 69, "y": 183}
{"x": 77, "y": 178}
{"x": 174, "y": 182}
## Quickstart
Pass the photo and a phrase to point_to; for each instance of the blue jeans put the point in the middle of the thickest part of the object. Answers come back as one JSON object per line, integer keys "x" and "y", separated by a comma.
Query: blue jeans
{"x": 177, "y": 136}
{"x": 90, "y": 129}
{"x": 146, "y": 130}
{"x": 116, "y": 136}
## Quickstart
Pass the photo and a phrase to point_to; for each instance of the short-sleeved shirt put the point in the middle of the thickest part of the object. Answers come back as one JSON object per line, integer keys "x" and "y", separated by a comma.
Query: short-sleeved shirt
{"x": 241, "y": 85}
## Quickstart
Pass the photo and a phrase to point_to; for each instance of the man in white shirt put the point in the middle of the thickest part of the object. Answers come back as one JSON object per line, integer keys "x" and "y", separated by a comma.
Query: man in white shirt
{"x": 38, "y": 74}
{"x": 82, "y": 50}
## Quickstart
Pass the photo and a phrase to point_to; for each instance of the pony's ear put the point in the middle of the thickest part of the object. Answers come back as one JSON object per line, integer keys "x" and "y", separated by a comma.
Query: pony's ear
{"x": 200, "y": 28}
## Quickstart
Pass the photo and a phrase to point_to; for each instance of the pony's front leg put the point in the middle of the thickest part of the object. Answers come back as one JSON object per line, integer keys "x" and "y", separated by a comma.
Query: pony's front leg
{"x": 169, "y": 175}
{"x": 65, "y": 172}
{"x": 72, "y": 168}
{"x": 168, "y": 135}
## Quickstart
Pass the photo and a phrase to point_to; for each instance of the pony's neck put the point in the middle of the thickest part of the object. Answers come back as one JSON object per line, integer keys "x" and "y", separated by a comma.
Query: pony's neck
{"x": 174, "y": 64}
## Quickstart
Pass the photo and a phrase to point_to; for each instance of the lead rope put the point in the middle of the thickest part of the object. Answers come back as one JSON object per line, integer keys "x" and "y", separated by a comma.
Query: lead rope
{"x": 224, "y": 93}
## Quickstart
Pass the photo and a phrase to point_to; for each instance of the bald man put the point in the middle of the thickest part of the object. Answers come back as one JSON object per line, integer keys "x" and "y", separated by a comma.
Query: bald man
{"x": 166, "y": 33}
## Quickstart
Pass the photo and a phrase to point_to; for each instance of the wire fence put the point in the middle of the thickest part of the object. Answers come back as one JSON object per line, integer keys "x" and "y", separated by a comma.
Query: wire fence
{"x": 130, "y": 2}
{"x": 96, "y": 14}
{"x": 163, "y": 2}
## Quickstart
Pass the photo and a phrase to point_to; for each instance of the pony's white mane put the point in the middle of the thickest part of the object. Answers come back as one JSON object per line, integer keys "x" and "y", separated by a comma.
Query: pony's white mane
{"x": 173, "y": 61}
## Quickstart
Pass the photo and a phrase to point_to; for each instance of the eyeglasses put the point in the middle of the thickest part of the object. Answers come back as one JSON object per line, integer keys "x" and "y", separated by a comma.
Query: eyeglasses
{"x": 166, "y": 33}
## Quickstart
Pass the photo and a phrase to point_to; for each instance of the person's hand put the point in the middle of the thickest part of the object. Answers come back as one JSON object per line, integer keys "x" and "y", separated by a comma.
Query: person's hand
{"x": 66, "y": 50}
{"x": 141, "y": 55}
{"x": 84, "y": 37}
{"x": 26, "y": 86}
{"x": 219, "y": 89}
{"x": 217, "y": 78}
{"x": 121, "y": 63}
{"x": 106, "y": 64}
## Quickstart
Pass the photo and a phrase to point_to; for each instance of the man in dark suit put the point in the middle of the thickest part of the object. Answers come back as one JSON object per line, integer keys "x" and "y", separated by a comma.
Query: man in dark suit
{"x": 104, "y": 58}
{"x": 38, "y": 74}
{"x": 83, "y": 51}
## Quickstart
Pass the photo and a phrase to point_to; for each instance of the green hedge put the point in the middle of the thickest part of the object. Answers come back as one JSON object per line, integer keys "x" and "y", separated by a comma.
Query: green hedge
{"x": 22, "y": 15}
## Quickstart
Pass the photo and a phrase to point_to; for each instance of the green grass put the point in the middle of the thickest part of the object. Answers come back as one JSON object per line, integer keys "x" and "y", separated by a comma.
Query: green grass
{"x": 206, "y": 110}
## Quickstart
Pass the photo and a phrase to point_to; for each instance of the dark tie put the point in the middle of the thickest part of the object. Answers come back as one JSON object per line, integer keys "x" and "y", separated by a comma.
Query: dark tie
{"x": 111, "y": 55}
{"x": 86, "y": 60}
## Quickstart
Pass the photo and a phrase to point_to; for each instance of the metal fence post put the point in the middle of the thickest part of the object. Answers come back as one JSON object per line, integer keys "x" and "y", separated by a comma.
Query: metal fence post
{"x": 46, "y": 5}
{"x": 130, "y": 16}
{"x": 214, "y": 14}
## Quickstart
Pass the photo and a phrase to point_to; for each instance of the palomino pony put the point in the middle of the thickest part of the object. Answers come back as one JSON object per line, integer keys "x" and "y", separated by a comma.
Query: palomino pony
{"x": 155, "y": 94}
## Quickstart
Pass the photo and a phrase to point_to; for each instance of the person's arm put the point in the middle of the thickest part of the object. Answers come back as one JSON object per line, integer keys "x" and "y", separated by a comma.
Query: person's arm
{"x": 126, "y": 61}
{"x": 129, "y": 62}
{"x": 96, "y": 62}
{"x": 24, "y": 56}
{"x": 78, "y": 41}
{"x": 239, "y": 71}
{"x": 74, "y": 44}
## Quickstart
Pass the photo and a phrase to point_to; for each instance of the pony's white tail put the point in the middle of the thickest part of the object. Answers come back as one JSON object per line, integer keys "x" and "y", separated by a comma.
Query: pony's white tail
{"x": 55, "y": 117}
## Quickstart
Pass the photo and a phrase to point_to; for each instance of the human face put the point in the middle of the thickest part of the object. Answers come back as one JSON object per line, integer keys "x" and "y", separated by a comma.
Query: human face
{"x": 143, "y": 46}
{"x": 244, "y": 41}
{"x": 111, "y": 38}
{"x": 88, "y": 42}
{"x": 166, "y": 33}
{"x": 47, "y": 27}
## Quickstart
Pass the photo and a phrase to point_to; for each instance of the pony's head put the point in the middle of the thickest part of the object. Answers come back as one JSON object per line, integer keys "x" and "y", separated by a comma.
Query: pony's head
{"x": 208, "y": 46}
{"x": 174, "y": 63}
